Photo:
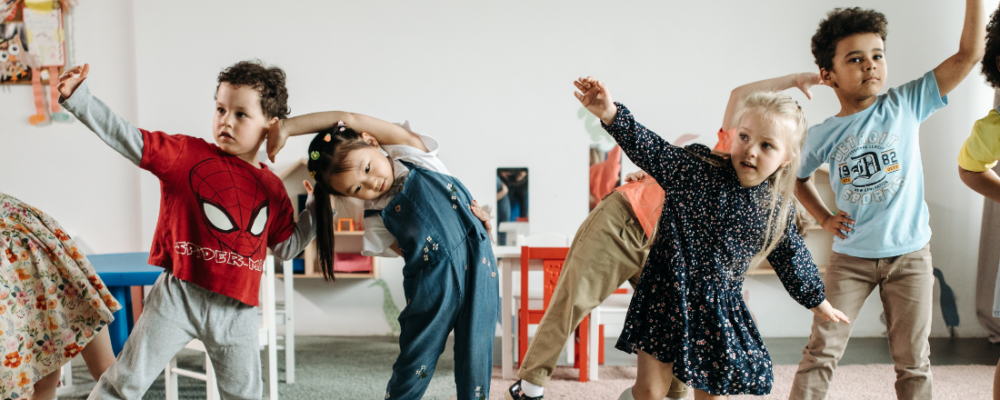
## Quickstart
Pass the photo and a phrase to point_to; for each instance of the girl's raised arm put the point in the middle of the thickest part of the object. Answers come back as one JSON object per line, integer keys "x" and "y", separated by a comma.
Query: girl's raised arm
{"x": 386, "y": 133}
{"x": 646, "y": 149}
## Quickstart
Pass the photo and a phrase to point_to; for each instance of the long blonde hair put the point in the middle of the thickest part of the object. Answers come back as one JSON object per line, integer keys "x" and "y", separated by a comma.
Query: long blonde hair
{"x": 778, "y": 109}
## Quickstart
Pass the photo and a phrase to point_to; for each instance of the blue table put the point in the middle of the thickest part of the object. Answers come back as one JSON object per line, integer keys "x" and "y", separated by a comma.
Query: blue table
{"x": 120, "y": 272}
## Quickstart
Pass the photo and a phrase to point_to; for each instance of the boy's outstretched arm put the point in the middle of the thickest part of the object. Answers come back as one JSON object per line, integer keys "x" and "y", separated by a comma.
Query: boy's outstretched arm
{"x": 986, "y": 183}
{"x": 386, "y": 133}
{"x": 803, "y": 81}
{"x": 970, "y": 49}
{"x": 92, "y": 112}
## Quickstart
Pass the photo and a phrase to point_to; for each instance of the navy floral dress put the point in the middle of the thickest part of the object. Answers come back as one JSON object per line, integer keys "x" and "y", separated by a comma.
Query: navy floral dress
{"x": 688, "y": 308}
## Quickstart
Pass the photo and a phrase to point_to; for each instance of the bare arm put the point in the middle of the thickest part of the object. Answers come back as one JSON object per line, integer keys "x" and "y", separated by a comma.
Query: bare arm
{"x": 503, "y": 191}
{"x": 970, "y": 49}
{"x": 986, "y": 183}
{"x": 806, "y": 192}
{"x": 803, "y": 81}
{"x": 386, "y": 133}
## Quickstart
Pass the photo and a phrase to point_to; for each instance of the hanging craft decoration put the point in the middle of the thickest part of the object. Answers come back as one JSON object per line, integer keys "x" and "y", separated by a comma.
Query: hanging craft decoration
{"x": 33, "y": 49}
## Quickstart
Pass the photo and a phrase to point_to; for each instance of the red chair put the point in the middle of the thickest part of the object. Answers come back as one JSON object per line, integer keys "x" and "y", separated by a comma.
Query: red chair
{"x": 552, "y": 259}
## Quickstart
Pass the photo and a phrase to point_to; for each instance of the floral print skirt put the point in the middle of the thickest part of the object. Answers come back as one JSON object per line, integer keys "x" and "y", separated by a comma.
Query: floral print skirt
{"x": 52, "y": 303}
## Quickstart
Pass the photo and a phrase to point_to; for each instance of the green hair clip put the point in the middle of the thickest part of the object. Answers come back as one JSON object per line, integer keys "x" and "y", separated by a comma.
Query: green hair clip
{"x": 314, "y": 155}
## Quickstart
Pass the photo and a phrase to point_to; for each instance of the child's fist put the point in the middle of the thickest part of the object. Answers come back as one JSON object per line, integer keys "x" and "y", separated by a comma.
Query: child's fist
{"x": 71, "y": 79}
{"x": 484, "y": 216}
{"x": 828, "y": 313}
{"x": 636, "y": 176}
{"x": 276, "y": 137}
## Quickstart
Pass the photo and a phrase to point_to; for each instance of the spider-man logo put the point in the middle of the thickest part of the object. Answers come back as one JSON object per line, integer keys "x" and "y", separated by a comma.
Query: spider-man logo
{"x": 233, "y": 203}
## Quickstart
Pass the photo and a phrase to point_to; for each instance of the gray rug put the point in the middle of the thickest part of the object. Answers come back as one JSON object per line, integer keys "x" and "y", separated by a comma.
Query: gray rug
{"x": 326, "y": 368}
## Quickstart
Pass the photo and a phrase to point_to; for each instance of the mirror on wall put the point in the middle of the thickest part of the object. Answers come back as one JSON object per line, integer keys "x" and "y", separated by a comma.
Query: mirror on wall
{"x": 512, "y": 204}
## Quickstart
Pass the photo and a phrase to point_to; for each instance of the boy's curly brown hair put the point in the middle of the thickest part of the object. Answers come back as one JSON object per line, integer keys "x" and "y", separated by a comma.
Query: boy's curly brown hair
{"x": 992, "y": 50}
{"x": 268, "y": 81}
{"x": 841, "y": 23}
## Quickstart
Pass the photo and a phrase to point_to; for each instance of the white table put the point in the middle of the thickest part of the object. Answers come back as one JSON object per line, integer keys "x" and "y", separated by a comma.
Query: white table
{"x": 509, "y": 259}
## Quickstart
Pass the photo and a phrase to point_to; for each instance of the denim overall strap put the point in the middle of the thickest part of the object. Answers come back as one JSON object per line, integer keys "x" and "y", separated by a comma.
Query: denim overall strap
{"x": 450, "y": 283}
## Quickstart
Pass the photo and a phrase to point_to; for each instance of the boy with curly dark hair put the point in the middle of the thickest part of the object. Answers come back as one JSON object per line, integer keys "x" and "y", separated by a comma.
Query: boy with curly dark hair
{"x": 220, "y": 210}
{"x": 981, "y": 150}
{"x": 882, "y": 231}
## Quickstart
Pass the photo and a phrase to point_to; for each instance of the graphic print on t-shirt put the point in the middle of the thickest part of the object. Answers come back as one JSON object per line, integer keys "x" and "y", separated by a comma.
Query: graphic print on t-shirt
{"x": 233, "y": 204}
{"x": 868, "y": 167}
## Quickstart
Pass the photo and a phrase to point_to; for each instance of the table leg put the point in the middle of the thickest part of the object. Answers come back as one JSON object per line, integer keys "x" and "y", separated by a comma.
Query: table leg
{"x": 129, "y": 317}
{"x": 118, "y": 329}
{"x": 506, "y": 328}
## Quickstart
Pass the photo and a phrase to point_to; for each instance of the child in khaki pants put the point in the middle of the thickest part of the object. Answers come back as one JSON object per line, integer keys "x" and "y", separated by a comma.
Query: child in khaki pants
{"x": 882, "y": 232}
{"x": 981, "y": 150}
{"x": 610, "y": 248}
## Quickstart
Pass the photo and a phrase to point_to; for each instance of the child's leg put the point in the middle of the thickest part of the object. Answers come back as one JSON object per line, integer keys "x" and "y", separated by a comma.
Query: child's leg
{"x": 36, "y": 86}
{"x": 432, "y": 301}
{"x": 606, "y": 251}
{"x": 163, "y": 329}
{"x": 476, "y": 323}
{"x": 45, "y": 388}
{"x": 230, "y": 335}
{"x": 849, "y": 281}
{"x": 98, "y": 354}
{"x": 908, "y": 301}
{"x": 652, "y": 381}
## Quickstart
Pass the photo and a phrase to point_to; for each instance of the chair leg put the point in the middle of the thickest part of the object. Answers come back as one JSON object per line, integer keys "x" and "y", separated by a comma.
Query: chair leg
{"x": 170, "y": 379}
{"x": 593, "y": 345}
{"x": 286, "y": 269}
{"x": 584, "y": 349}
{"x": 522, "y": 335}
{"x": 600, "y": 346}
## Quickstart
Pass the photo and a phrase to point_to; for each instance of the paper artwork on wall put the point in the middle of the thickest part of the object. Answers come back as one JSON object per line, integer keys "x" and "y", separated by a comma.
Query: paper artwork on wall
{"x": 33, "y": 49}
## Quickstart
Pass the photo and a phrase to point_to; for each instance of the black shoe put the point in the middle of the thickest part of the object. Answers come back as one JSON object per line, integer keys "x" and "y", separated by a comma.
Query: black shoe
{"x": 515, "y": 393}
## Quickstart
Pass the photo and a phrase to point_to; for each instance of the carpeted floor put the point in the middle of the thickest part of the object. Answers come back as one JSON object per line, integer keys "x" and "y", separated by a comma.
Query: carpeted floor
{"x": 358, "y": 368}
{"x": 852, "y": 382}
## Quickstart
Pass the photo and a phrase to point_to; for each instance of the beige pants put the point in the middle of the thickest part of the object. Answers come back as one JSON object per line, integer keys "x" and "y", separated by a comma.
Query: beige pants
{"x": 906, "y": 287}
{"x": 607, "y": 251}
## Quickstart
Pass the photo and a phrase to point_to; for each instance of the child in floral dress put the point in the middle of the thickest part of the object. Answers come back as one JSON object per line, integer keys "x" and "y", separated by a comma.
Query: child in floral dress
{"x": 53, "y": 305}
{"x": 721, "y": 215}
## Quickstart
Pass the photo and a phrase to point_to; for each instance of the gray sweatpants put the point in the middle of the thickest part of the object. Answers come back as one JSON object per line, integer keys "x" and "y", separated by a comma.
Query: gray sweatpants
{"x": 174, "y": 313}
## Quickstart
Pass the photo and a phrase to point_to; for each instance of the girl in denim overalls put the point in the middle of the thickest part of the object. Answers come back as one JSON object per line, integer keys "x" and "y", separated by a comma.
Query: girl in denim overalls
{"x": 417, "y": 210}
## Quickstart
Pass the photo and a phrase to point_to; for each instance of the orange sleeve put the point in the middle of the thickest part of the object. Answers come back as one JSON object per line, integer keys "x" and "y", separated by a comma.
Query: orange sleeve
{"x": 725, "y": 140}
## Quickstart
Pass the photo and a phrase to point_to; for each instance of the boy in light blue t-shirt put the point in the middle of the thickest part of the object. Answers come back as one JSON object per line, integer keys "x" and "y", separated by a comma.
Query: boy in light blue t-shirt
{"x": 881, "y": 234}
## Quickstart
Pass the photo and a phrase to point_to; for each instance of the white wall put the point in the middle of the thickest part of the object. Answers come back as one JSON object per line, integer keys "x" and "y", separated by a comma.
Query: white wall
{"x": 63, "y": 169}
{"x": 492, "y": 82}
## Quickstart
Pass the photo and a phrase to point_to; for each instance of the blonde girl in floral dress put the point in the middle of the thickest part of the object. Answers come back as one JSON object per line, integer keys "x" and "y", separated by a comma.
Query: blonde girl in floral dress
{"x": 53, "y": 305}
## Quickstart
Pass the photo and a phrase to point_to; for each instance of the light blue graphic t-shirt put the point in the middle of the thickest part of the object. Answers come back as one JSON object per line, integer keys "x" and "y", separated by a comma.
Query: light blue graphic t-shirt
{"x": 875, "y": 169}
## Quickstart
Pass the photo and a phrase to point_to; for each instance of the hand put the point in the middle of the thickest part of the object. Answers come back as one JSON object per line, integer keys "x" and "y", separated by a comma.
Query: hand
{"x": 309, "y": 191}
{"x": 806, "y": 80}
{"x": 838, "y": 224}
{"x": 482, "y": 215}
{"x": 594, "y": 96}
{"x": 69, "y": 80}
{"x": 828, "y": 313}
{"x": 276, "y": 136}
{"x": 636, "y": 176}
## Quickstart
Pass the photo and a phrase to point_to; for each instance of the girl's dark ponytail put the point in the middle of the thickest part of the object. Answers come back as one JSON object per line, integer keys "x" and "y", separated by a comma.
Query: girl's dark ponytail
{"x": 326, "y": 154}
{"x": 324, "y": 229}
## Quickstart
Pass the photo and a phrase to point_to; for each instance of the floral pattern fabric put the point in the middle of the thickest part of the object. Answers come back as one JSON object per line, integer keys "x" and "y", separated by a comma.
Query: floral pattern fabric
{"x": 52, "y": 303}
{"x": 688, "y": 308}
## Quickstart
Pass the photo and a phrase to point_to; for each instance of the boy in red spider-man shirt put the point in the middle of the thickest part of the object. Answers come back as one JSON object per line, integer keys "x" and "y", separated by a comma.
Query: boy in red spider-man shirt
{"x": 220, "y": 209}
